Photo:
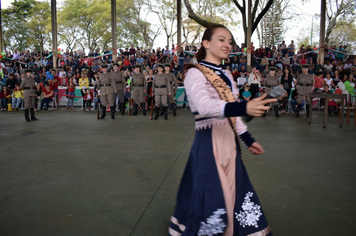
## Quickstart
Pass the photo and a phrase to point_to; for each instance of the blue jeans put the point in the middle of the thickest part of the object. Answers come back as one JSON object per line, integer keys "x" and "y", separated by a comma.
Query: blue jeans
{"x": 16, "y": 101}
{"x": 45, "y": 100}
{"x": 4, "y": 103}
{"x": 181, "y": 64}
{"x": 70, "y": 99}
{"x": 294, "y": 103}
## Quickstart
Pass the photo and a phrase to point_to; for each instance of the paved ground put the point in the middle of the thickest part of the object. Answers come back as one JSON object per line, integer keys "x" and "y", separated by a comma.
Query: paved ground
{"x": 71, "y": 174}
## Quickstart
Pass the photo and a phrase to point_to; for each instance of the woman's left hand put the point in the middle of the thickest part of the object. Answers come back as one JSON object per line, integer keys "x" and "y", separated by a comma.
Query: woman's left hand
{"x": 256, "y": 148}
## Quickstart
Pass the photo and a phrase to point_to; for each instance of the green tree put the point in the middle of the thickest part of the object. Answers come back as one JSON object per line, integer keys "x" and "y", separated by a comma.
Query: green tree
{"x": 335, "y": 10}
{"x": 15, "y": 28}
{"x": 39, "y": 25}
{"x": 91, "y": 19}
{"x": 256, "y": 13}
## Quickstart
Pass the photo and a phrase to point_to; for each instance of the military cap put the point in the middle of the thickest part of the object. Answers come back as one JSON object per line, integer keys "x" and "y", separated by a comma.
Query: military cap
{"x": 272, "y": 68}
{"x": 161, "y": 65}
{"x": 104, "y": 66}
{"x": 28, "y": 70}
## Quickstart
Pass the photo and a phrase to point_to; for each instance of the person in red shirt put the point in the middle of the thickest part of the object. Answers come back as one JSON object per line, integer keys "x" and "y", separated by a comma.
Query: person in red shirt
{"x": 4, "y": 97}
{"x": 71, "y": 93}
{"x": 47, "y": 97}
{"x": 88, "y": 98}
{"x": 54, "y": 83}
{"x": 319, "y": 81}
{"x": 126, "y": 62}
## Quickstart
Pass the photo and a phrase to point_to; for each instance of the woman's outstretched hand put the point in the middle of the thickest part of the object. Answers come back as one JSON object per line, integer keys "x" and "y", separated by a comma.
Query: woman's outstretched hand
{"x": 256, "y": 106}
{"x": 256, "y": 149}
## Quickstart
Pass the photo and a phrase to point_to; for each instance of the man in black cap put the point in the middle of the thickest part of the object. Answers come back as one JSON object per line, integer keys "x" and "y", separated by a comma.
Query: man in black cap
{"x": 173, "y": 84}
{"x": 107, "y": 87}
{"x": 304, "y": 85}
{"x": 139, "y": 86}
{"x": 161, "y": 90}
{"x": 270, "y": 82}
{"x": 120, "y": 84}
{"x": 29, "y": 87}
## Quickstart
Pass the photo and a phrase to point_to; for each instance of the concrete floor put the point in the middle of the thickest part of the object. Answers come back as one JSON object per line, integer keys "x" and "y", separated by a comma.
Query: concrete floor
{"x": 71, "y": 174}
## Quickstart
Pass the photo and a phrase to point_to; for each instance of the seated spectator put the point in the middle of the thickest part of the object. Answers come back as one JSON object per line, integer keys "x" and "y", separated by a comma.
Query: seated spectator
{"x": 242, "y": 69}
{"x": 241, "y": 80}
{"x": 303, "y": 60}
{"x": 234, "y": 63}
{"x": 286, "y": 60}
{"x": 319, "y": 81}
{"x": 235, "y": 73}
{"x": 17, "y": 97}
{"x": 294, "y": 101}
{"x": 243, "y": 63}
{"x": 278, "y": 61}
{"x": 246, "y": 94}
{"x": 328, "y": 67}
{"x": 4, "y": 97}
{"x": 47, "y": 97}
{"x": 11, "y": 82}
{"x": 318, "y": 67}
{"x": 328, "y": 81}
{"x": 311, "y": 67}
{"x": 291, "y": 49}
{"x": 88, "y": 98}
{"x": 187, "y": 59}
{"x": 264, "y": 63}
{"x": 265, "y": 72}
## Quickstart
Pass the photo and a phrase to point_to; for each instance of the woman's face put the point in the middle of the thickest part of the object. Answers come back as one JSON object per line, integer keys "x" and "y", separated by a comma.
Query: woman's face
{"x": 220, "y": 44}
{"x": 286, "y": 71}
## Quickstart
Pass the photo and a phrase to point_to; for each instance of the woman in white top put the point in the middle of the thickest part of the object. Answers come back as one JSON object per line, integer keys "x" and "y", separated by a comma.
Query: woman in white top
{"x": 329, "y": 81}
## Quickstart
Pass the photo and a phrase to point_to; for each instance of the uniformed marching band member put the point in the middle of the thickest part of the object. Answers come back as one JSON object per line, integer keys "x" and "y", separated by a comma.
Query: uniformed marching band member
{"x": 29, "y": 87}
{"x": 173, "y": 84}
{"x": 270, "y": 82}
{"x": 304, "y": 86}
{"x": 120, "y": 84}
{"x": 161, "y": 90}
{"x": 107, "y": 87}
{"x": 139, "y": 86}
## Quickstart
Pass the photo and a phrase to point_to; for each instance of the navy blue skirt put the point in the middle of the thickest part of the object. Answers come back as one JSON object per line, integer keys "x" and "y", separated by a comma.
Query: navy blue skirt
{"x": 200, "y": 207}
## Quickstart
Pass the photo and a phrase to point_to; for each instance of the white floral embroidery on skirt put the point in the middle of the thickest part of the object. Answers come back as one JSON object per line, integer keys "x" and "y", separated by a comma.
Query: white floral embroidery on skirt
{"x": 251, "y": 212}
{"x": 214, "y": 224}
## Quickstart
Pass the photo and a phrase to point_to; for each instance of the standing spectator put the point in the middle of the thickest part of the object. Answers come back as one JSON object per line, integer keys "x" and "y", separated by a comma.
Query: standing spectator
{"x": 255, "y": 82}
{"x": 243, "y": 62}
{"x": 38, "y": 93}
{"x": 88, "y": 98}
{"x": 246, "y": 94}
{"x": 234, "y": 62}
{"x": 83, "y": 84}
{"x": 181, "y": 57}
{"x": 70, "y": 93}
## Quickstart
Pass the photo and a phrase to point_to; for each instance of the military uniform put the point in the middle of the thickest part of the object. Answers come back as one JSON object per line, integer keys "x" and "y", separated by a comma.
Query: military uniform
{"x": 139, "y": 86}
{"x": 107, "y": 89}
{"x": 120, "y": 84}
{"x": 173, "y": 84}
{"x": 29, "y": 87}
{"x": 161, "y": 88}
{"x": 305, "y": 82}
{"x": 270, "y": 82}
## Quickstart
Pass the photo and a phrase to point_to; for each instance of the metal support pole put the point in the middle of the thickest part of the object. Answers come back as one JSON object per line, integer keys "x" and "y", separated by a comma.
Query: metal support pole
{"x": 249, "y": 29}
{"x": 311, "y": 34}
{"x": 113, "y": 30}
{"x": 179, "y": 22}
{"x": 54, "y": 32}
{"x": 322, "y": 32}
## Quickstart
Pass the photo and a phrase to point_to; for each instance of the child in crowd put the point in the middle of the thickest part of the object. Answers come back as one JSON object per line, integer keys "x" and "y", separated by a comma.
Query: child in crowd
{"x": 17, "y": 97}
{"x": 88, "y": 98}
{"x": 70, "y": 93}
{"x": 246, "y": 94}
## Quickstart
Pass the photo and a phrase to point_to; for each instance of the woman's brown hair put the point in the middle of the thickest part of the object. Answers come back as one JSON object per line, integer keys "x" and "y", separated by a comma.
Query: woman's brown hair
{"x": 208, "y": 33}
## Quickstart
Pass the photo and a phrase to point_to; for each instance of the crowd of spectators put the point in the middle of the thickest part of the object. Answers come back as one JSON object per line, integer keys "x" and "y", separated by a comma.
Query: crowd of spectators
{"x": 76, "y": 68}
